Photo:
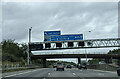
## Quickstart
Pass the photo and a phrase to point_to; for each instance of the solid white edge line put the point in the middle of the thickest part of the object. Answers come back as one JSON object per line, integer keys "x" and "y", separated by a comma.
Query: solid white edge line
{"x": 17, "y": 74}
{"x": 104, "y": 71}
{"x": 20, "y": 73}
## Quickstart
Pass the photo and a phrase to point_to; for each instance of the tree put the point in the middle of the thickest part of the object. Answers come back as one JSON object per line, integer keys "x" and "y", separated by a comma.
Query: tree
{"x": 115, "y": 51}
{"x": 13, "y": 52}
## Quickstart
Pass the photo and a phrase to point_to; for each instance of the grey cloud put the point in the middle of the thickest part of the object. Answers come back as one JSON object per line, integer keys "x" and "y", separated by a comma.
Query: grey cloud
{"x": 68, "y": 17}
{"x": 100, "y": 18}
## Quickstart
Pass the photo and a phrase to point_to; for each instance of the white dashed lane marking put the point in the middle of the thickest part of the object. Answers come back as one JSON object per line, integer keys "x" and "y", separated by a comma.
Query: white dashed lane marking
{"x": 49, "y": 73}
{"x": 74, "y": 74}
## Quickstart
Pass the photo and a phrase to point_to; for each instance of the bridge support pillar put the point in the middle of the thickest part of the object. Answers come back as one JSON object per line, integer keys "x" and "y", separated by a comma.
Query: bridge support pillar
{"x": 108, "y": 60}
{"x": 118, "y": 62}
{"x": 79, "y": 60}
{"x": 44, "y": 62}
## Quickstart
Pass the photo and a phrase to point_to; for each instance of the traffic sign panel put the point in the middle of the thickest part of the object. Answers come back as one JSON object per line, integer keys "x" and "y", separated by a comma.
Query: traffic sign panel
{"x": 48, "y": 34}
{"x": 72, "y": 37}
{"x": 52, "y": 33}
{"x": 67, "y": 37}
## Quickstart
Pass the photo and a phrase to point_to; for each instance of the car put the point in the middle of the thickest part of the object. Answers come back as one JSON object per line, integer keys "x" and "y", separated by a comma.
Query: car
{"x": 54, "y": 65}
{"x": 60, "y": 66}
{"x": 68, "y": 66}
{"x": 82, "y": 66}
{"x": 118, "y": 72}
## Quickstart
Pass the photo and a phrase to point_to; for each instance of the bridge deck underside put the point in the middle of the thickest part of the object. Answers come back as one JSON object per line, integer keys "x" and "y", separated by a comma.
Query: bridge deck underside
{"x": 113, "y": 56}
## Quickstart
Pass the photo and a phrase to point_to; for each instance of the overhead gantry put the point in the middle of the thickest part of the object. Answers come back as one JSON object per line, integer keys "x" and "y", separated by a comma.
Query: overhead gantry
{"x": 76, "y": 44}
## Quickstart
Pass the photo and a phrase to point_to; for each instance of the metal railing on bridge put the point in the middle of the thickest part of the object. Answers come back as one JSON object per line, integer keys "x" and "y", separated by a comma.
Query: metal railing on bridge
{"x": 52, "y": 53}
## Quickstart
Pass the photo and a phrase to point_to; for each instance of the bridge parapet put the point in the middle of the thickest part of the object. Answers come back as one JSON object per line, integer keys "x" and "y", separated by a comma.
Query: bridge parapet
{"x": 52, "y": 53}
{"x": 109, "y": 56}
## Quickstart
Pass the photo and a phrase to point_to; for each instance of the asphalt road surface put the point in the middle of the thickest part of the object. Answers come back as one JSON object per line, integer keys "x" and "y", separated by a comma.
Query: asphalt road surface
{"x": 68, "y": 73}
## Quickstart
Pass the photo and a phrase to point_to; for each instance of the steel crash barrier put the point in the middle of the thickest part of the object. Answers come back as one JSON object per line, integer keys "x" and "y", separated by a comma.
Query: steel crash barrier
{"x": 118, "y": 72}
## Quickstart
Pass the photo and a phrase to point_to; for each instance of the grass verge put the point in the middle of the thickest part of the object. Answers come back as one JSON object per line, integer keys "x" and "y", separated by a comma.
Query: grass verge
{"x": 13, "y": 70}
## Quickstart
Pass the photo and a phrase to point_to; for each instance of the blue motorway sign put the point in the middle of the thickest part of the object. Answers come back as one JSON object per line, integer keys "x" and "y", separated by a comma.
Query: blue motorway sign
{"x": 72, "y": 37}
{"x": 47, "y": 33}
{"x": 67, "y": 37}
{"x": 56, "y": 38}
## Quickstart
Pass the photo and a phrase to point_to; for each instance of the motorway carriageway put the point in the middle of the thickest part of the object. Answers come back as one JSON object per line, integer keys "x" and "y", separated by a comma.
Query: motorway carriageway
{"x": 50, "y": 73}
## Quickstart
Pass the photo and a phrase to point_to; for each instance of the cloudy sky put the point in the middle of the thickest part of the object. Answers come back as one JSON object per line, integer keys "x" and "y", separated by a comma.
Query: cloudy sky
{"x": 101, "y": 18}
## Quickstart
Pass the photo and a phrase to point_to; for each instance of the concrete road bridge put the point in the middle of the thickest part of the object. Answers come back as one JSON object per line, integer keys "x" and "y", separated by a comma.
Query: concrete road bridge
{"x": 108, "y": 57}
{"x": 76, "y": 44}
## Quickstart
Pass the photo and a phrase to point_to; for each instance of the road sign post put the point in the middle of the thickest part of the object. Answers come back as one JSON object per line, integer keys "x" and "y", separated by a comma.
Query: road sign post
{"x": 29, "y": 51}
{"x": 85, "y": 48}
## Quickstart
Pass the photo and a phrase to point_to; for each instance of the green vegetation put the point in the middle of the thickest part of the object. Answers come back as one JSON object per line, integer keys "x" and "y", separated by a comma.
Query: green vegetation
{"x": 71, "y": 63}
{"x": 11, "y": 70}
{"x": 96, "y": 61}
{"x": 50, "y": 63}
{"x": 13, "y": 52}
{"x": 115, "y": 51}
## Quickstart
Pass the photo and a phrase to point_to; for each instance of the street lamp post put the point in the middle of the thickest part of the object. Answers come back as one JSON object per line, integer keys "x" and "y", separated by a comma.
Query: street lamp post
{"x": 85, "y": 48}
{"x": 29, "y": 51}
{"x": 30, "y": 34}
